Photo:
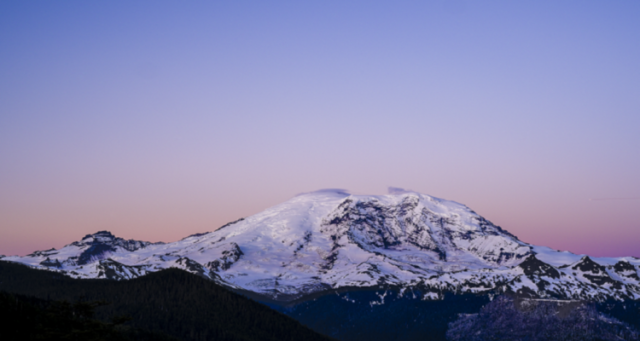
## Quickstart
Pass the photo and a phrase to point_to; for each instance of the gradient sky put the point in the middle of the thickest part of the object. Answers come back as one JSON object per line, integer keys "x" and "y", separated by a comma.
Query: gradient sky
{"x": 159, "y": 119}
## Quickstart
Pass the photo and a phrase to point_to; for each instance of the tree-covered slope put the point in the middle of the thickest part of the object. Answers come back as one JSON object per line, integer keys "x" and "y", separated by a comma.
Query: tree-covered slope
{"x": 171, "y": 301}
{"x": 30, "y": 318}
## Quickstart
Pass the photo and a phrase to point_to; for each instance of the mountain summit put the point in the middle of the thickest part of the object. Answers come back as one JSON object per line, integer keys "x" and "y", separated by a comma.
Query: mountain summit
{"x": 331, "y": 239}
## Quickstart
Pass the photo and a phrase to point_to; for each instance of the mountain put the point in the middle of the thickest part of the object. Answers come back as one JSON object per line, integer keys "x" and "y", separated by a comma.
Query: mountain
{"x": 330, "y": 240}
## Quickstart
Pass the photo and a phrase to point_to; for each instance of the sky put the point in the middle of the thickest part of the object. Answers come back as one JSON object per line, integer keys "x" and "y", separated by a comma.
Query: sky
{"x": 159, "y": 119}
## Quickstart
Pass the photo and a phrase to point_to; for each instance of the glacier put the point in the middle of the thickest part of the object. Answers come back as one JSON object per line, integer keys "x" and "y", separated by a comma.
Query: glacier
{"x": 331, "y": 239}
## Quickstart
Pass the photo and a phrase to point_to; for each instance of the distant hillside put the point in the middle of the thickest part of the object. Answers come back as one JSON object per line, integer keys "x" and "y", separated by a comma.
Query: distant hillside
{"x": 506, "y": 318}
{"x": 171, "y": 301}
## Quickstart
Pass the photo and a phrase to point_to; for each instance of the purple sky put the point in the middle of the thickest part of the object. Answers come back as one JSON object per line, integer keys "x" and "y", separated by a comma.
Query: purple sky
{"x": 159, "y": 119}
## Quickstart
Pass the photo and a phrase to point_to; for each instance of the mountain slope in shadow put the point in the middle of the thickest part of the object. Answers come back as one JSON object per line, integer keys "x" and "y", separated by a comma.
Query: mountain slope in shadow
{"x": 170, "y": 301}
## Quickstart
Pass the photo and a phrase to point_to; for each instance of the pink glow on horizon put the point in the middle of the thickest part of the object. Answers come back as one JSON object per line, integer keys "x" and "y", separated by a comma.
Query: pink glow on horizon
{"x": 553, "y": 228}
{"x": 159, "y": 120}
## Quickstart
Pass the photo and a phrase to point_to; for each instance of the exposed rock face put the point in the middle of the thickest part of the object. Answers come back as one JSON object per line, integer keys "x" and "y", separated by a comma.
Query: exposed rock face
{"x": 626, "y": 270}
{"x": 229, "y": 256}
{"x": 111, "y": 269}
{"x": 533, "y": 268}
{"x": 98, "y": 246}
{"x": 51, "y": 263}
{"x": 331, "y": 239}
{"x": 376, "y": 226}
{"x": 106, "y": 239}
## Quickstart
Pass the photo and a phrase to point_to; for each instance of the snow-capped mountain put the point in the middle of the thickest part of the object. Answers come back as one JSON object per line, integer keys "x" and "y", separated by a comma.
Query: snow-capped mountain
{"x": 331, "y": 239}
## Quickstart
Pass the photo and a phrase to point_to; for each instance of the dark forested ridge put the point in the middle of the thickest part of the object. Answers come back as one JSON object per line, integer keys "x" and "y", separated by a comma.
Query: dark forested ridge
{"x": 357, "y": 316}
{"x": 170, "y": 301}
{"x": 30, "y": 318}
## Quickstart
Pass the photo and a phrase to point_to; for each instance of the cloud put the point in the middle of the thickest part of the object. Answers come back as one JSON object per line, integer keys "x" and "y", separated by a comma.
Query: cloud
{"x": 397, "y": 190}
{"x": 328, "y": 190}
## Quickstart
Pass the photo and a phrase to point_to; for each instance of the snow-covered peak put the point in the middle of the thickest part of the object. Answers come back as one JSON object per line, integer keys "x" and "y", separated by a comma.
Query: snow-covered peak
{"x": 100, "y": 236}
{"x": 106, "y": 238}
{"x": 91, "y": 248}
{"x": 334, "y": 239}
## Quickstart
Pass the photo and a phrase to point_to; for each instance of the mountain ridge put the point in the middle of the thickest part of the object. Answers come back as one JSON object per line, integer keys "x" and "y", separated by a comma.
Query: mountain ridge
{"x": 331, "y": 239}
